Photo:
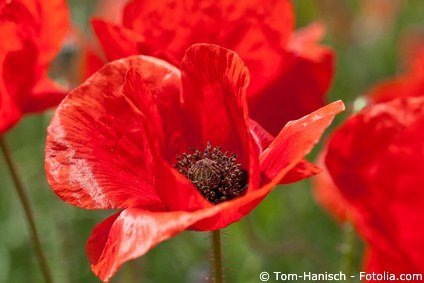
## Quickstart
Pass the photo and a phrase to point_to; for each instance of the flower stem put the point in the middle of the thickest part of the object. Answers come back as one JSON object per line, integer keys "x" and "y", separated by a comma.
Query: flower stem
{"x": 348, "y": 250}
{"x": 27, "y": 209}
{"x": 217, "y": 256}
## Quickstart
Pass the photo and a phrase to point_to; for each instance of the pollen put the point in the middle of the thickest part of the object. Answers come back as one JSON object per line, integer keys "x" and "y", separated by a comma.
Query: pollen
{"x": 216, "y": 174}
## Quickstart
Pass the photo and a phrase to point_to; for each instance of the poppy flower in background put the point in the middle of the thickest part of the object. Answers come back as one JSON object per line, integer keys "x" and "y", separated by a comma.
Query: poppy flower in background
{"x": 374, "y": 160}
{"x": 290, "y": 71}
{"x": 376, "y": 181}
{"x": 173, "y": 150}
{"x": 410, "y": 84}
{"x": 34, "y": 31}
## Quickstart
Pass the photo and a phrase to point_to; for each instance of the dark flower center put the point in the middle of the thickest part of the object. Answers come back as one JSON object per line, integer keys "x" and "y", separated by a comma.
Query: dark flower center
{"x": 216, "y": 174}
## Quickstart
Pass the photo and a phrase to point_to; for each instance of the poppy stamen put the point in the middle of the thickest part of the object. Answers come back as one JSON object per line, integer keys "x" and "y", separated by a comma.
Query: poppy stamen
{"x": 216, "y": 174}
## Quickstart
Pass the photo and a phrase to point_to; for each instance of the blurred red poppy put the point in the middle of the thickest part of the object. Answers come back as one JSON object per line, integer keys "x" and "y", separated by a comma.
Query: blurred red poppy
{"x": 376, "y": 181}
{"x": 32, "y": 32}
{"x": 374, "y": 160}
{"x": 173, "y": 151}
{"x": 290, "y": 71}
{"x": 410, "y": 84}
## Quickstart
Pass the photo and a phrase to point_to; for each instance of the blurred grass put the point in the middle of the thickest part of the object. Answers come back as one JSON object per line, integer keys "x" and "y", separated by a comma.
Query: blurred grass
{"x": 288, "y": 232}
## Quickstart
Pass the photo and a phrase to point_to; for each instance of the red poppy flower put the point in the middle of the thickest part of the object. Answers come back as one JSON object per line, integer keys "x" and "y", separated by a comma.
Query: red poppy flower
{"x": 173, "y": 151}
{"x": 374, "y": 160}
{"x": 374, "y": 182}
{"x": 290, "y": 72}
{"x": 32, "y": 33}
{"x": 410, "y": 84}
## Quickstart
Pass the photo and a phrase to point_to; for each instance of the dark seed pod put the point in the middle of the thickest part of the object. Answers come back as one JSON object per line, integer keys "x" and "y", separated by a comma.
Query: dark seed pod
{"x": 216, "y": 174}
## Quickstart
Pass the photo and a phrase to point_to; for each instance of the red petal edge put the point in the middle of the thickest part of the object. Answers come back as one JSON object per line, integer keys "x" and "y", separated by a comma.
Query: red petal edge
{"x": 130, "y": 234}
{"x": 307, "y": 130}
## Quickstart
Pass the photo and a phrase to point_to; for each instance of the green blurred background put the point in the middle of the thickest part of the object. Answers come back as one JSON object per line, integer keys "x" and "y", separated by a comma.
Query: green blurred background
{"x": 288, "y": 232}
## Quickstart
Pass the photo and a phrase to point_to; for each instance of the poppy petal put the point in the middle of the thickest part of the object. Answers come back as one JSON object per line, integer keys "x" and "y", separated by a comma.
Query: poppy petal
{"x": 299, "y": 88}
{"x": 279, "y": 153}
{"x": 302, "y": 170}
{"x": 9, "y": 112}
{"x": 117, "y": 41}
{"x": 261, "y": 136}
{"x": 403, "y": 185}
{"x": 305, "y": 42}
{"x": 115, "y": 170}
{"x": 214, "y": 96}
{"x": 214, "y": 99}
{"x": 256, "y": 30}
{"x": 130, "y": 234}
{"x": 45, "y": 24}
{"x": 175, "y": 190}
{"x": 45, "y": 94}
{"x": 34, "y": 36}
{"x": 14, "y": 89}
{"x": 263, "y": 139}
{"x": 54, "y": 22}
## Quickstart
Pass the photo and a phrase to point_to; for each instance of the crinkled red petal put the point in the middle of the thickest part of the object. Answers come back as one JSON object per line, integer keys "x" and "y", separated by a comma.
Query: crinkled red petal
{"x": 98, "y": 152}
{"x": 214, "y": 98}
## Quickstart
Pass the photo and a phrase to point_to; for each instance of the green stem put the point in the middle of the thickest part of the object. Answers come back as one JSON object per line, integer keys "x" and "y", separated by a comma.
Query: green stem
{"x": 27, "y": 209}
{"x": 348, "y": 250}
{"x": 217, "y": 256}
